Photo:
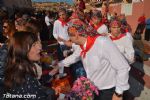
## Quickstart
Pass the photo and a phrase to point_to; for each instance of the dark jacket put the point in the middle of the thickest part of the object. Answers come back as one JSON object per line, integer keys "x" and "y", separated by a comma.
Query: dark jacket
{"x": 3, "y": 55}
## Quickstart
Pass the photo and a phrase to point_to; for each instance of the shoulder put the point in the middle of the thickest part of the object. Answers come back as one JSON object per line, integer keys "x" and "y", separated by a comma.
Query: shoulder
{"x": 3, "y": 48}
{"x": 104, "y": 26}
{"x": 103, "y": 40}
{"x": 57, "y": 22}
{"x": 127, "y": 37}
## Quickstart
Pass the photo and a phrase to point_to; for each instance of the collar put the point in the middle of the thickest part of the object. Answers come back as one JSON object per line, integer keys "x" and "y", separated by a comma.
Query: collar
{"x": 87, "y": 45}
{"x": 117, "y": 38}
{"x": 63, "y": 23}
{"x": 98, "y": 25}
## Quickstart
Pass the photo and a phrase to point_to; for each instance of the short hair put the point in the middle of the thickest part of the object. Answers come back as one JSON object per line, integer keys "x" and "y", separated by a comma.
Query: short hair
{"x": 97, "y": 14}
{"x": 61, "y": 9}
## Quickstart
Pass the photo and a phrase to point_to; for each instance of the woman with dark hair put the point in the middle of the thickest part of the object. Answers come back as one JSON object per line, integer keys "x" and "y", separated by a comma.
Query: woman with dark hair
{"x": 8, "y": 31}
{"x": 20, "y": 74}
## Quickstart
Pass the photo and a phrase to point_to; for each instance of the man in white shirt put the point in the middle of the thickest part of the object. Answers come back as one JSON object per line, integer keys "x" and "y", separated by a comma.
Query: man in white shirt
{"x": 102, "y": 61}
{"x": 60, "y": 31}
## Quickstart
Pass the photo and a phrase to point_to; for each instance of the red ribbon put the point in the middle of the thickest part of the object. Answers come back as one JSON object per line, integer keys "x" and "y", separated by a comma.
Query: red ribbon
{"x": 117, "y": 38}
{"x": 63, "y": 23}
{"x": 96, "y": 26}
{"x": 90, "y": 42}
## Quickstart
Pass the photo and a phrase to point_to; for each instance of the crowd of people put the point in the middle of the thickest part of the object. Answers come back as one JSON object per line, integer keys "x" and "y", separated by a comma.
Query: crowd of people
{"x": 91, "y": 44}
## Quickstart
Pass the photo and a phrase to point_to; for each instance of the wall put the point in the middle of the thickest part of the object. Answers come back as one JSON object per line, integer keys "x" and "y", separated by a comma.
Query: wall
{"x": 138, "y": 9}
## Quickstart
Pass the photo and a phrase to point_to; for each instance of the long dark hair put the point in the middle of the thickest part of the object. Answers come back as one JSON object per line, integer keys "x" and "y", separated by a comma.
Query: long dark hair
{"x": 18, "y": 64}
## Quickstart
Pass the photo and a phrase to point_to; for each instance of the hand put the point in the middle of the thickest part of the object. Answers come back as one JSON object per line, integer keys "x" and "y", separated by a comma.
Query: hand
{"x": 53, "y": 71}
{"x": 68, "y": 43}
{"x": 65, "y": 53}
{"x": 116, "y": 98}
{"x": 60, "y": 39}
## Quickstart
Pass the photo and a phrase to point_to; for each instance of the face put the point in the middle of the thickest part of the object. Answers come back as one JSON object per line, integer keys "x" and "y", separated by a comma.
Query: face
{"x": 73, "y": 35}
{"x": 20, "y": 25}
{"x": 5, "y": 27}
{"x": 115, "y": 30}
{"x": 17, "y": 26}
{"x": 34, "y": 53}
{"x": 62, "y": 15}
{"x": 95, "y": 20}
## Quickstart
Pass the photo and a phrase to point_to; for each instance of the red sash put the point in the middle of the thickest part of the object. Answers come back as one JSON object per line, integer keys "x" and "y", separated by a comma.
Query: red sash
{"x": 96, "y": 26}
{"x": 117, "y": 38}
{"x": 63, "y": 23}
{"x": 99, "y": 25}
{"x": 90, "y": 42}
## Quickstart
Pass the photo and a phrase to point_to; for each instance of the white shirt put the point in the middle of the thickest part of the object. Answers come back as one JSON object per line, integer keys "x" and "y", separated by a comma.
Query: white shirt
{"x": 129, "y": 36}
{"x": 61, "y": 31}
{"x": 104, "y": 65}
{"x": 125, "y": 46}
{"x": 47, "y": 20}
{"x": 102, "y": 29}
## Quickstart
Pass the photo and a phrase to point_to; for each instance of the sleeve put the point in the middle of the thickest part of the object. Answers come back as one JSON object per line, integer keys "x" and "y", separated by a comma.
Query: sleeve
{"x": 47, "y": 21}
{"x": 55, "y": 30}
{"x": 130, "y": 36}
{"x": 118, "y": 62}
{"x": 72, "y": 58}
{"x": 105, "y": 29}
{"x": 129, "y": 51}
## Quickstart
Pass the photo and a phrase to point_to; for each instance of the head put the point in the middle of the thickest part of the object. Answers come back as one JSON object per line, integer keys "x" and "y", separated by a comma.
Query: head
{"x": 78, "y": 14}
{"x": 78, "y": 30}
{"x": 96, "y": 17}
{"x": 33, "y": 25}
{"x": 115, "y": 26}
{"x": 8, "y": 28}
{"x": 24, "y": 48}
{"x": 62, "y": 14}
{"x": 20, "y": 24}
{"x": 47, "y": 13}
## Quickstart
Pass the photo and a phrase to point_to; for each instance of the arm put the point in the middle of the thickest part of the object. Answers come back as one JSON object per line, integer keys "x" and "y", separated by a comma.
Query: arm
{"x": 55, "y": 30}
{"x": 72, "y": 58}
{"x": 47, "y": 21}
{"x": 129, "y": 51}
{"x": 119, "y": 64}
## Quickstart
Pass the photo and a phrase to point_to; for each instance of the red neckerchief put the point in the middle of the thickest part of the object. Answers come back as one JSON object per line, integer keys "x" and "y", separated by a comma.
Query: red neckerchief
{"x": 126, "y": 30}
{"x": 90, "y": 42}
{"x": 91, "y": 23}
{"x": 63, "y": 23}
{"x": 117, "y": 38}
{"x": 98, "y": 25}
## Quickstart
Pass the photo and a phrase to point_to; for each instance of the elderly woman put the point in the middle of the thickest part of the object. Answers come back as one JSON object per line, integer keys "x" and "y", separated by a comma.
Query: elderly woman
{"x": 20, "y": 72}
{"x": 122, "y": 41}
